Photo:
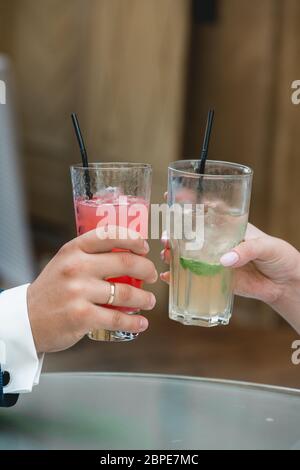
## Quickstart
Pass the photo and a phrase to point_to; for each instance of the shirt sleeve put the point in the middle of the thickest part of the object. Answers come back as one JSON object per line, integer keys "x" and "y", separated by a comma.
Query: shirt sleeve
{"x": 22, "y": 361}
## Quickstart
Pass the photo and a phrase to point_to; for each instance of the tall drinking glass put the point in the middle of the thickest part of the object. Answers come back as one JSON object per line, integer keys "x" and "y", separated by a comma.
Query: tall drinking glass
{"x": 215, "y": 206}
{"x": 120, "y": 196}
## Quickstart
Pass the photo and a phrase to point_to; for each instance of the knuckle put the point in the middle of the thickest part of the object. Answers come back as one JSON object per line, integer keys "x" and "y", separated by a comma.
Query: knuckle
{"x": 127, "y": 260}
{"x": 124, "y": 293}
{"x": 72, "y": 266}
{"x": 116, "y": 320}
{"x": 75, "y": 289}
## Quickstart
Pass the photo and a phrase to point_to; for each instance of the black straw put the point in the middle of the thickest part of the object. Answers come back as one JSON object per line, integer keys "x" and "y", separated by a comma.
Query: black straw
{"x": 204, "y": 152}
{"x": 84, "y": 156}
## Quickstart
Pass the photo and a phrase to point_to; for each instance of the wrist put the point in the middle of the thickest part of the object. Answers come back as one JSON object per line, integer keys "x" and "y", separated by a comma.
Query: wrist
{"x": 32, "y": 317}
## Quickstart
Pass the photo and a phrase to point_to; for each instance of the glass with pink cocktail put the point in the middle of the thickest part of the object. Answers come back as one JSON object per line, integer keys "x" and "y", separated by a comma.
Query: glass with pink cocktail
{"x": 119, "y": 195}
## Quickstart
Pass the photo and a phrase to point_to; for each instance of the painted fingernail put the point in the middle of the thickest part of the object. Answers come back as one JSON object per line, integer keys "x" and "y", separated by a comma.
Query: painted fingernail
{"x": 229, "y": 259}
{"x": 143, "y": 324}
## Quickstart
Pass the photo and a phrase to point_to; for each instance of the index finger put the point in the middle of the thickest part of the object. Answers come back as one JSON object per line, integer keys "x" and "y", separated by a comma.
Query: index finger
{"x": 105, "y": 239}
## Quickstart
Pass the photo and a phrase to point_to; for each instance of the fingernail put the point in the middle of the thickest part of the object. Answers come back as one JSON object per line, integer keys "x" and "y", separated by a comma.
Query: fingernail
{"x": 152, "y": 301}
{"x": 162, "y": 255}
{"x": 229, "y": 259}
{"x": 143, "y": 324}
{"x": 146, "y": 246}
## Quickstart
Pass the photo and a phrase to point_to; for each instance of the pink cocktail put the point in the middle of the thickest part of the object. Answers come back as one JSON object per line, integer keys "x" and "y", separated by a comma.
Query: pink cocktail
{"x": 123, "y": 211}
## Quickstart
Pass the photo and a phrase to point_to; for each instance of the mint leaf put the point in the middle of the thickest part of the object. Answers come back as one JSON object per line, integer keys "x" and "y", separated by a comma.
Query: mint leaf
{"x": 200, "y": 268}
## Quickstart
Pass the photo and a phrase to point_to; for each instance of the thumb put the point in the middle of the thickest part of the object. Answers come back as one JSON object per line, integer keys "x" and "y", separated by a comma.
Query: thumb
{"x": 263, "y": 249}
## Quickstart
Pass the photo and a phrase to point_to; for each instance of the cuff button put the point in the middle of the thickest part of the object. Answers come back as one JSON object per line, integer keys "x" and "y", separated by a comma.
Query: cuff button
{"x": 6, "y": 378}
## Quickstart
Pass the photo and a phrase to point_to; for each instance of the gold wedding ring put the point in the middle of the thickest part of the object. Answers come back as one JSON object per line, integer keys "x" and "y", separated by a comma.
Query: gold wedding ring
{"x": 112, "y": 293}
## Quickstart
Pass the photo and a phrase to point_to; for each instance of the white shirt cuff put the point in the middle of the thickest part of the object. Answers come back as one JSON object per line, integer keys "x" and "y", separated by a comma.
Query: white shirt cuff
{"x": 22, "y": 361}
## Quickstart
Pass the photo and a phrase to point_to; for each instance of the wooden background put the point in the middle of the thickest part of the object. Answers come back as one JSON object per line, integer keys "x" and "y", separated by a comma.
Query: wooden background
{"x": 142, "y": 74}
{"x": 244, "y": 65}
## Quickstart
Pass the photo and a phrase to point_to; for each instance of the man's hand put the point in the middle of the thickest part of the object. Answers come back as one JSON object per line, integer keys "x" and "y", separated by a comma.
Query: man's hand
{"x": 64, "y": 301}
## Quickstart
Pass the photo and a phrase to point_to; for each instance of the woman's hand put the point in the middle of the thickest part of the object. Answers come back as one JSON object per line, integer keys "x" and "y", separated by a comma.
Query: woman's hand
{"x": 267, "y": 269}
{"x": 265, "y": 266}
{"x": 64, "y": 301}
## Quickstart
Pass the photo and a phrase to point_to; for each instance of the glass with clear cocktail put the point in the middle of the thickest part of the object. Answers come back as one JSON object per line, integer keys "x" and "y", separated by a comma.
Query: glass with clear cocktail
{"x": 201, "y": 289}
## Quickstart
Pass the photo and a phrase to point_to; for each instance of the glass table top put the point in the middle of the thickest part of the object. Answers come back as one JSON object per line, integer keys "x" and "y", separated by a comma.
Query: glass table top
{"x": 132, "y": 411}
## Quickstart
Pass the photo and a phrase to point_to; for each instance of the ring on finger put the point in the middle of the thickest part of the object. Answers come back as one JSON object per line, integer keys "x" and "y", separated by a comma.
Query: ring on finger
{"x": 112, "y": 293}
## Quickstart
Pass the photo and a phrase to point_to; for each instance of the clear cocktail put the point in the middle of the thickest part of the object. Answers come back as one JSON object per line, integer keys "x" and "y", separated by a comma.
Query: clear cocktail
{"x": 201, "y": 289}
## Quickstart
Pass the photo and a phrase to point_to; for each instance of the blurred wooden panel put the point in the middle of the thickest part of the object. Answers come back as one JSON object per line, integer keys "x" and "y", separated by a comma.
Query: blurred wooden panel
{"x": 7, "y": 9}
{"x": 135, "y": 83}
{"x": 47, "y": 46}
{"x": 232, "y": 70}
{"x": 285, "y": 166}
{"x": 50, "y": 190}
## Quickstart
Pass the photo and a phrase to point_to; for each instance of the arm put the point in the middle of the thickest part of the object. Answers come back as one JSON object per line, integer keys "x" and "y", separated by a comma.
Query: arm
{"x": 64, "y": 303}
